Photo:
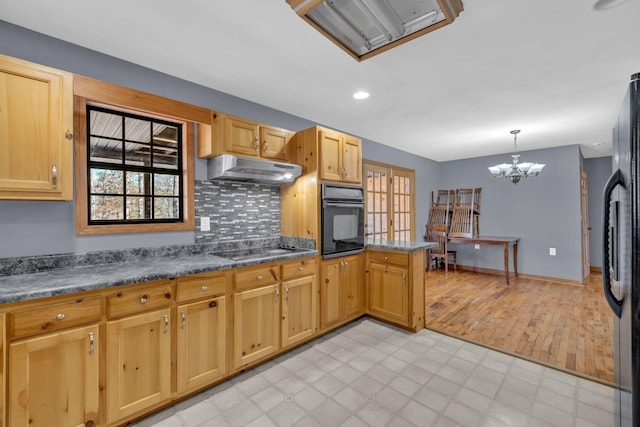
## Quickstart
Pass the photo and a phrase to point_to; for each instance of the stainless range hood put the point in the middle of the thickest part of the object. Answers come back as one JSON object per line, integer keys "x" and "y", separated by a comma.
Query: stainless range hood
{"x": 235, "y": 168}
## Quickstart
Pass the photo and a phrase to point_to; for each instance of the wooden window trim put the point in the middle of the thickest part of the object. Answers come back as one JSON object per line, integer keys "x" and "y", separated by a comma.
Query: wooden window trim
{"x": 89, "y": 91}
{"x": 372, "y": 164}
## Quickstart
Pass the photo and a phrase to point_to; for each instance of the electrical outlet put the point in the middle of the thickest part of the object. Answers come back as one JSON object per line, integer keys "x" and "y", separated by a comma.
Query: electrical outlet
{"x": 476, "y": 246}
{"x": 205, "y": 223}
{"x": 552, "y": 251}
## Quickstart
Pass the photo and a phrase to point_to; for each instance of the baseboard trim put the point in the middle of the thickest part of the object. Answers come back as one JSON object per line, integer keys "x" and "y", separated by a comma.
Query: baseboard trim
{"x": 595, "y": 270}
{"x": 524, "y": 276}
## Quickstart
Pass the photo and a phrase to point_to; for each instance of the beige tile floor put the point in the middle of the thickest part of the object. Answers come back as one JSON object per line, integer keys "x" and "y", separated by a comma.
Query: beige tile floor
{"x": 370, "y": 374}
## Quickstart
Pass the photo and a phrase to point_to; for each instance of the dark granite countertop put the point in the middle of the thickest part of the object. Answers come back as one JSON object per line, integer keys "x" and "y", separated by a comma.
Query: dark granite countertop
{"x": 82, "y": 278}
{"x": 398, "y": 245}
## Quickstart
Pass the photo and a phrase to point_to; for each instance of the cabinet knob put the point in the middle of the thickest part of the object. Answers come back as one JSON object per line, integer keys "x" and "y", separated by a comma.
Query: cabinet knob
{"x": 204, "y": 288}
{"x": 259, "y": 277}
{"x": 144, "y": 299}
{"x": 60, "y": 316}
{"x": 300, "y": 268}
{"x": 386, "y": 258}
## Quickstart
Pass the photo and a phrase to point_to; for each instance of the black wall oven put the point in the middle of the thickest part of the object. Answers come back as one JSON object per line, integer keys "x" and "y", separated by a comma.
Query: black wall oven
{"x": 342, "y": 220}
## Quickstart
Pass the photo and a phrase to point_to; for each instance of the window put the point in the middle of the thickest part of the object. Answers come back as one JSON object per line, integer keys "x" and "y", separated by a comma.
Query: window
{"x": 134, "y": 167}
{"x": 390, "y": 202}
{"x": 133, "y": 160}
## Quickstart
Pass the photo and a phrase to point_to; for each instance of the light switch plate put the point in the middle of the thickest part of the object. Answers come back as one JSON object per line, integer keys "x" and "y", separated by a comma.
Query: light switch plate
{"x": 476, "y": 246}
{"x": 205, "y": 224}
{"x": 552, "y": 251}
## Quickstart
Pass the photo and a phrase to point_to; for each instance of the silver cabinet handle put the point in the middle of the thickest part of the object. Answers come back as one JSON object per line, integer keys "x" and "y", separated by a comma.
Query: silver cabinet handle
{"x": 54, "y": 175}
{"x": 277, "y": 296}
{"x": 259, "y": 277}
{"x": 300, "y": 268}
{"x": 91, "y": 342}
{"x": 204, "y": 288}
{"x": 346, "y": 172}
{"x": 265, "y": 146}
{"x": 166, "y": 324}
{"x": 144, "y": 299}
{"x": 183, "y": 318}
{"x": 257, "y": 145}
{"x": 404, "y": 278}
{"x": 286, "y": 293}
{"x": 60, "y": 316}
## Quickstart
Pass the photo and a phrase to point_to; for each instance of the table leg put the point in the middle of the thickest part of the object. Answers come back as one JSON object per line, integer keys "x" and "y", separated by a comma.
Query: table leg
{"x": 506, "y": 261}
{"x": 515, "y": 258}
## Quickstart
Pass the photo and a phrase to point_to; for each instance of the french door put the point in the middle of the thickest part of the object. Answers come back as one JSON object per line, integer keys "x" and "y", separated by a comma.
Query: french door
{"x": 390, "y": 202}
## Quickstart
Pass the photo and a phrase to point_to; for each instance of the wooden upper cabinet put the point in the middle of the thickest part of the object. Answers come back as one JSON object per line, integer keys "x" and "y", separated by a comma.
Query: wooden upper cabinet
{"x": 234, "y": 135}
{"x": 340, "y": 157}
{"x": 36, "y": 125}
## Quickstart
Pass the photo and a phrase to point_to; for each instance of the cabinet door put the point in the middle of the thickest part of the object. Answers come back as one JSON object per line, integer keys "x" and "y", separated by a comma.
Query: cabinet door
{"x": 330, "y": 293}
{"x": 352, "y": 159}
{"x": 353, "y": 287}
{"x": 36, "y": 121}
{"x": 256, "y": 328}
{"x": 274, "y": 143}
{"x": 389, "y": 293}
{"x": 241, "y": 136}
{"x": 138, "y": 363}
{"x": 330, "y": 155}
{"x": 54, "y": 379}
{"x": 201, "y": 339}
{"x": 299, "y": 304}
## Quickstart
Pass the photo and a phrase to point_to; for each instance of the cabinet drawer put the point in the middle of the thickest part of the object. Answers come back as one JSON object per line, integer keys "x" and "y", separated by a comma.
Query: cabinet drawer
{"x": 52, "y": 317}
{"x": 257, "y": 276}
{"x": 139, "y": 299}
{"x": 301, "y": 268}
{"x": 202, "y": 286}
{"x": 397, "y": 258}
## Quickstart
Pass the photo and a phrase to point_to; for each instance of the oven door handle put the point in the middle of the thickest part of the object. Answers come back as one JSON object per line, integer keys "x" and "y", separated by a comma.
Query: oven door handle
{"x": 343, "y": 205}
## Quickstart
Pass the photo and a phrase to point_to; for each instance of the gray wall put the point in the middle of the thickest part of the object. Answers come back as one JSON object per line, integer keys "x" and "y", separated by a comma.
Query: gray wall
{"x": 598, "y": 171}
{"x": 40, "y": 228}
{"x": 544, "y": 211}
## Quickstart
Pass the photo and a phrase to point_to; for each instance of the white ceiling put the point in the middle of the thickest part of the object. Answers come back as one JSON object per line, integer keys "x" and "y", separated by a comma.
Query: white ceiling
{"x": 554, "y": 69}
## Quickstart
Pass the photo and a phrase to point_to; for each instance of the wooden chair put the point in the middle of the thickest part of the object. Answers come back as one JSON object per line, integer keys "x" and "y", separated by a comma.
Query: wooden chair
{"x": 439, "y": 235}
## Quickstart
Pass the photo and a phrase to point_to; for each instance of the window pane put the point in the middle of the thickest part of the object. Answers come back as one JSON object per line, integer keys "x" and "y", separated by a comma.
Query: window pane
{"x": 137, "y": 130}
{"x": 138, "y": 183}
{"x": 165, "y": 185}
{"x": 383, "y": 182}
{"x": 105, "y": 124}
{"x": 138, "y": 208}
{"x": 105, "y": 150}
{"x": 137, "y": 154}
{"x": 165, "y": 157}
{"x": 166, "y": 208}
{"x": 106, "y": 181}
{"x": 107, "y": 208}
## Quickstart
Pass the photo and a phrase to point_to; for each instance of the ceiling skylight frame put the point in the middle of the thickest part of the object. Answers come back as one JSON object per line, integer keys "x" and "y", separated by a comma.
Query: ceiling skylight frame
{"x": 325, "y": 16}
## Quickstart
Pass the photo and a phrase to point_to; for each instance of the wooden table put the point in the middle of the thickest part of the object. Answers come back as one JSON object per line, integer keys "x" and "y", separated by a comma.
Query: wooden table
{"x": 506, "y": 242}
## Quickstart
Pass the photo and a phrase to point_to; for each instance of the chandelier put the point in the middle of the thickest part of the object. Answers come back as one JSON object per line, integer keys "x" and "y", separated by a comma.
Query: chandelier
{"x": 516, "y": 170}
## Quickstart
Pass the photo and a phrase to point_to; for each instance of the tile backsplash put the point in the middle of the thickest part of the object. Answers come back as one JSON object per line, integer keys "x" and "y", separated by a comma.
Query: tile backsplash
{"x": 237, "y": 210}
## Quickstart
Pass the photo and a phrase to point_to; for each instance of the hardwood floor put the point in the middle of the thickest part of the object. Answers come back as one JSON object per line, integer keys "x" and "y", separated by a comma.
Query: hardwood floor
{"x": 564, "y": 326}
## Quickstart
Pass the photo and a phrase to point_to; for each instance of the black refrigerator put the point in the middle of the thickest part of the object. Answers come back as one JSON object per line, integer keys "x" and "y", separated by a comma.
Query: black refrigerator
{"x": 621, "y": 253}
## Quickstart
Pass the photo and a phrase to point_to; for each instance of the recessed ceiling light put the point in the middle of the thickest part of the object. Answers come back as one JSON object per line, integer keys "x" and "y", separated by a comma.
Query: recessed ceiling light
{"x": 361, "y": 95}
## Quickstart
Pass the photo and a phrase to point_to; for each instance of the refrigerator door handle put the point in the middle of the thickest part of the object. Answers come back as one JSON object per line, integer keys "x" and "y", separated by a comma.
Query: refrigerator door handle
{"x": 615, "y": 304}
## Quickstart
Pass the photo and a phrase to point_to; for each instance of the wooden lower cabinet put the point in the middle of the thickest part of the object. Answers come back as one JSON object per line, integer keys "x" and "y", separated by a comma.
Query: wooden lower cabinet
{"x": 341, "y": 290}
{"x": 299, "y": 310}
{"x": 389, "y": 292}
{"x": 256, "y": 319}
{"x": 395, "y": 287}
{"x": 138, "y": 363}
{"x": 201, "y": 343}
{"x": 54, "y": 379}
